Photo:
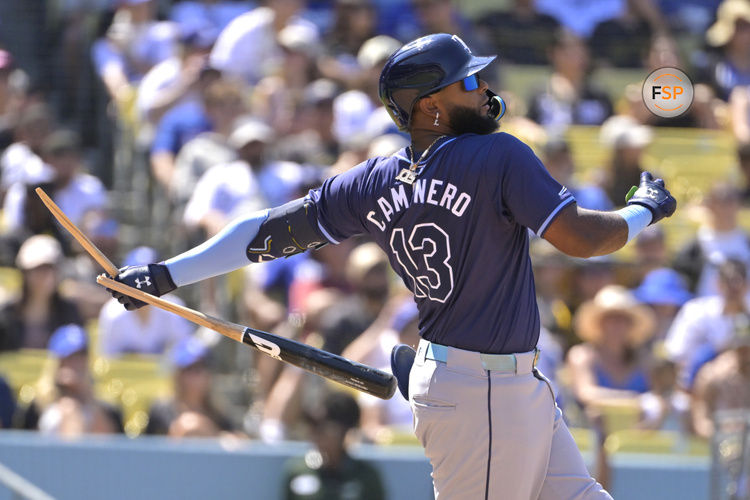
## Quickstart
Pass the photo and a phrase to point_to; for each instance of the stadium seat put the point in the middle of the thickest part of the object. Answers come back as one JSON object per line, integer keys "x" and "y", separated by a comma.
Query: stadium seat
{"x": 583, "y": 437}
{"x": 23, "y": 369}
{"x": 10, "y": 283}
{"x": 133, "y": 383}
{"x": 619, "y": 414}
{"x": 663, "y": 442}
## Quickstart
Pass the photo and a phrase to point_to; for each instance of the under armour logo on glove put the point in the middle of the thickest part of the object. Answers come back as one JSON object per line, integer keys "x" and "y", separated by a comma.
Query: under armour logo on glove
{"x": 153, "y": 279}
{"x": 653, "y": 195}
{"x": 145, "y": 282}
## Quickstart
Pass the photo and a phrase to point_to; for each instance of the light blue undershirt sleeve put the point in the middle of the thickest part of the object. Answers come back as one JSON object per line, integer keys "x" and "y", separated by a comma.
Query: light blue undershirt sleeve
{"x": 637, "y": 217}
{"x": 221, "y": 254}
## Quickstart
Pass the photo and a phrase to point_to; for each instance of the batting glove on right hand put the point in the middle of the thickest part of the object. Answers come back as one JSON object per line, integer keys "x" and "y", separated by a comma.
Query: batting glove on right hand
{"x": 653, "y": 195}
{"x": 152, "y": 278}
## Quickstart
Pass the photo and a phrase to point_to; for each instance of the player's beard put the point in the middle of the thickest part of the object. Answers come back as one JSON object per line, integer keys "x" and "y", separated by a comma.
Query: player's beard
{"x": 465, "y": 120}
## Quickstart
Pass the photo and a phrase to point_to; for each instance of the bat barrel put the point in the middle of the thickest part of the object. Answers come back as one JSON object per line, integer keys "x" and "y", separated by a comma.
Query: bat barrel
{"x": 332, "y": 366}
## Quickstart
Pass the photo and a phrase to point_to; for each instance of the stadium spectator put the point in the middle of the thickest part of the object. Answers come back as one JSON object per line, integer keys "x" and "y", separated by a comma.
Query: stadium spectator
{"x": 134, "y": 42}
{"x": 626, "y": 139}
{"x": 569, "y": 97}
{"x": 371, "y": 58}
{"x": 551, "y": 276}
{"x": 184, "y": 122}
{"x": 192, "y": 410}
{"x": 30, "y": 320}
{"x": 444, "y": 16}
{"x": 559, "y": 163}
{"x": 352, "y": 111}
{"x": 276, "y": 97}
{"x": 226, "y": 190}
{"x": 354, "y": 22}
{"x": 7, "y": 405}
{"x": 589, "y": 277}
{"x": 739, "y": 109}
{"x": 719, "y": 238}
{"x": 397, "y": 324}
{"x": 328, "y": 471}
{"x": 175, "y": 79}
{"x": 690, "y": 17}
{"x": 77, "y": 193}
{"x": 21, "y": 161}
{"x": 610, "y": 364}
{"x": 148, "y": 330}
{"x": 73, "y": 409}
{"x": 367, "y": 276}
{"x": 311, "y": 139}
{"x": 583, "y": 17}
{"x": 224, "y": 104}
{"x": 743, "y": 162}
{"x": 283, "y": 390}
{"x": 665, "y": 406}
{"x": 665, "y": 291}
{"x": 705, "y": 325}
{"x": 651, "y": 253}
{"x": 217, "y": 14}
{"x": 622, "y": 40}
{"x": 522, "y": 34}
{"x": 248, "y": 48}
{"x": 730, "y": 34}
{"x": 12, "y": 98}
{"x": 723, "y": 384}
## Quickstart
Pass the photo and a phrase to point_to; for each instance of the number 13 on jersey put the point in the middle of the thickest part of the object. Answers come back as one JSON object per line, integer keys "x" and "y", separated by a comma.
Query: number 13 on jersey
{"x": 425, "y": 256}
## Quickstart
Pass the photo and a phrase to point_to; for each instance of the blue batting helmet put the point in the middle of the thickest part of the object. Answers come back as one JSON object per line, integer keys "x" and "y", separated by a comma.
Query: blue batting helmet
{"x": 424, "y": 66}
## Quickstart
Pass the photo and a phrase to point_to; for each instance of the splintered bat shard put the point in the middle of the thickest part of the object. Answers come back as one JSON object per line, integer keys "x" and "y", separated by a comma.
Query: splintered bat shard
{"x": 81, "y": 238}
{"x": 328, "y": 365}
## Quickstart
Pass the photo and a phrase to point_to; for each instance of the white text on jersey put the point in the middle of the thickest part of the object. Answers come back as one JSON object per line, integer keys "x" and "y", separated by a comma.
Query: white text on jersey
{"x": 447, "y": 197}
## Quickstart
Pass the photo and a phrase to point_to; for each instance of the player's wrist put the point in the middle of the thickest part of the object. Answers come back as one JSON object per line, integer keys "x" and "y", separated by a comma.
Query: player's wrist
{"x": 637, "y": 217}
{"x": 162, "y": 278}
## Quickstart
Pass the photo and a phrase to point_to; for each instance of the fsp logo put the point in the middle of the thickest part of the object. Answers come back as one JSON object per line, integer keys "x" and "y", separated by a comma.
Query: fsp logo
{"x": 668, "y": 92}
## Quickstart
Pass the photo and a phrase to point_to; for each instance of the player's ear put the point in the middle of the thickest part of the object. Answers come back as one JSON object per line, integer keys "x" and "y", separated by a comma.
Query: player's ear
{"x": 428, "y": 105}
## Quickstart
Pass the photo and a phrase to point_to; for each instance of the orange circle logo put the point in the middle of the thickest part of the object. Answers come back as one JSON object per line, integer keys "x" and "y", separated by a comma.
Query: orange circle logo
{"x": 668, "y": 92}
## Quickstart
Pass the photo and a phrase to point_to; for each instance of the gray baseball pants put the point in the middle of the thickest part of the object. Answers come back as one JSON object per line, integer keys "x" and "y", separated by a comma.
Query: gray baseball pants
{"x": 494, "y": 434}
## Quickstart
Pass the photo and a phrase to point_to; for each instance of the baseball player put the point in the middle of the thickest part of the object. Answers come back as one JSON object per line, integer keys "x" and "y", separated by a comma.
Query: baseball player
{"x": 452, "y": 211}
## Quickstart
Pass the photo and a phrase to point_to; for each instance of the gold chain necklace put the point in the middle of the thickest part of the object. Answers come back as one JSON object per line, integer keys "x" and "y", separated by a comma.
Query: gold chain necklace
{"x": 409, "y": 175}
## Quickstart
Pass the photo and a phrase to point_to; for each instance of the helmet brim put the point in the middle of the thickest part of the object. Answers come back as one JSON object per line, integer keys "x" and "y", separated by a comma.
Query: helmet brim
{"x": 477, "y": 64}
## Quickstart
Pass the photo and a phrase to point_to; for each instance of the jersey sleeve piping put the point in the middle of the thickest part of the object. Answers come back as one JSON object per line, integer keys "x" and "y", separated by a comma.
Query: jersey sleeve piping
{"x": 328, "y": 236}
{"x": 553, "y": 214}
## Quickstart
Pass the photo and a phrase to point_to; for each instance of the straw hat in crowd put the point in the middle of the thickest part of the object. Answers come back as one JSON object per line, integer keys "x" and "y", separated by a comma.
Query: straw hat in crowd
{"x": 729, "y": 12}
{"x": 614, "y": 299}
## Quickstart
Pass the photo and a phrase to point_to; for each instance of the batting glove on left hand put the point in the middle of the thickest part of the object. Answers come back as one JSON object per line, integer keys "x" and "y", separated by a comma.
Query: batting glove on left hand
{"x": 653, "y": 195}
{"x": 152, "y": 278}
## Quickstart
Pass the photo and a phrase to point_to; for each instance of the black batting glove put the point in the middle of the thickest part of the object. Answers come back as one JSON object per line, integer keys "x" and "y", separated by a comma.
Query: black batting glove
{"x": 152, "y": 278}
{"x": 653, "y": 195}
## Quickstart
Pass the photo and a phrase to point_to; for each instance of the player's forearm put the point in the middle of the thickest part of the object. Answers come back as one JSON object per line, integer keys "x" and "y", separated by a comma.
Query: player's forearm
{"x": 221, "y": 254}
{"x": 584, "y": 233}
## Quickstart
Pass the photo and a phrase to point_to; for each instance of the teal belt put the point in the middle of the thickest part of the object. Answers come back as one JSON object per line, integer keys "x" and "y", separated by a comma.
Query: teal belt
{"x": 494, "y": 362}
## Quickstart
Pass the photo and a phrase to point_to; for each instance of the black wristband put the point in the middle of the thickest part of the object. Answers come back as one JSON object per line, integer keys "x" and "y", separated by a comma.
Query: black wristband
{"x": 162, "y": 279}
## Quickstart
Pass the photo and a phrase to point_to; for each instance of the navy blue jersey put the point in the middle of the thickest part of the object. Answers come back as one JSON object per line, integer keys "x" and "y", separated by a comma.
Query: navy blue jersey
{"x": 458, "y": 236}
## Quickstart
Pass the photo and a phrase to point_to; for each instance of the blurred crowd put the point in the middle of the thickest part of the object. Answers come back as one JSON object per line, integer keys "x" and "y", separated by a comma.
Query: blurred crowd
{"x": 152, "y": 123}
